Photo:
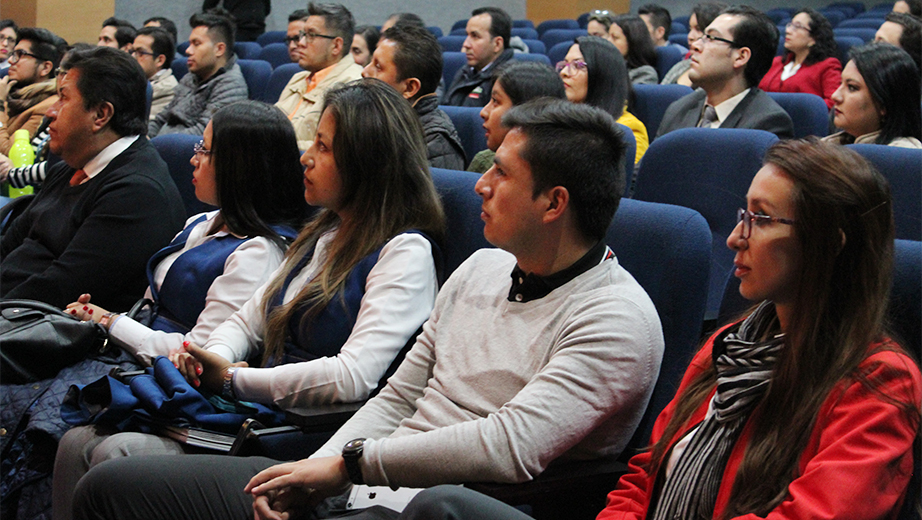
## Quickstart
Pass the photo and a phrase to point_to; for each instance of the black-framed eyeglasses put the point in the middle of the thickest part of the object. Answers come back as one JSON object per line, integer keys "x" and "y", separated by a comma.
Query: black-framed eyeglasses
{"x": 292, "y": 39}
{"x": 140, "y": 52}
{"x": 7, "y": 39}
{"x": 311, "y": 36}
{"x": 748, "y": 218}
{"x": 572, "y": 67}
{"x": 797, "y": 26}
{"x": 19, "y": 53}
{"x": 200, "y": 149}
{"x": 708, "y": 38}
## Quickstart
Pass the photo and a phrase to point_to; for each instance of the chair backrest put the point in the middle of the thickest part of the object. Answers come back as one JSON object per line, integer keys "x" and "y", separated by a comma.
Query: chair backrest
{"x": 435, "y": 30}
{"x": 834, "y": 16}
{"x": 535, "y": 46}
{"x": 270, "y": 37}
{"x": 247, "y": 50}
{"x": 548, "y": 25}
{"x": 779, "y": 14}
{"x": 864, "y": 33}
{"x": 181, "y": 47}
{"x": 176, "y": 151}
{"x": 276, "y": 54}
{"x": 554, "y": 36}
{"x": 903, "y": 169}
{"x": 666, "y": 57}
{"x": 256, "y": 73}
{"x": 708, "y": 170}
{"x": 808, "y": 111}
{"x": 667, "y": 249}
{"x": 460, "y": 24}
{"x": 461, "y": 31}
{"x": 651, "y": 102}
{"x": 583, "y": 20}
{"x": 558, "y": 52}
{"x": 862, "y": 23}
{"x": 464, "y": 233}
{"x": 451, "y": 43}
{"x": 630, "y": 153}
{"x": 523, "y": 23}
{"x": 678, "y": 27}
{"x": 526, "y": 33}
{"x": 180, "y": 67}
{"x": 280, "y": 77}
{"x": 469, "y": 125}
{"x": 525, "y": 56}
{"x": 680, "y": 38}
{"x": 451, "y": 63}
{"x": 845, "y": 44}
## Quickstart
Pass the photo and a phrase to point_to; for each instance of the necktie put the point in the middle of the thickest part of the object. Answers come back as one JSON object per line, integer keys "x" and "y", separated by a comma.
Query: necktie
{"x": 710, "y": 116}
{"x": 79, "y": 176}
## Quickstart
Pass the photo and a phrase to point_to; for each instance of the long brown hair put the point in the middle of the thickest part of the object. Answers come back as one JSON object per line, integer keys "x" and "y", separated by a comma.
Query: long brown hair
{"x": 380, "y": 155}
{"x": 839, "y": 310}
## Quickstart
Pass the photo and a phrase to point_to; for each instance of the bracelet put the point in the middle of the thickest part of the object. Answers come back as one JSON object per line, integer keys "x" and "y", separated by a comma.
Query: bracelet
{"x": 227, "y": 390}
{"x": 107, "y": 319}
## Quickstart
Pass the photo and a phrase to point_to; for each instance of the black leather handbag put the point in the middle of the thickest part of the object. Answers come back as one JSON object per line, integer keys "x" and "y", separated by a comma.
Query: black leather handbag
{"x": 37, "y": 340}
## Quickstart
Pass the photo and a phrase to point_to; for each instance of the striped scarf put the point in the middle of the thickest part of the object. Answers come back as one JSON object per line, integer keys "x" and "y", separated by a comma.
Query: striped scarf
{"x": 744, "y": 370}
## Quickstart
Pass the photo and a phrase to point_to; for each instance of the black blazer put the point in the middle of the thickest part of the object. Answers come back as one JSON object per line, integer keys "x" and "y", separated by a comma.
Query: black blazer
{"x": 757, "y": 111}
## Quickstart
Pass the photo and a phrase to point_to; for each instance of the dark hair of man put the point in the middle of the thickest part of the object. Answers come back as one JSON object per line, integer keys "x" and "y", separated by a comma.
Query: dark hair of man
{"x": 166, "y": 24}
{"x": 892, "y": 78}
{"x": 124, "y": 31}
{"x": 523, "y": 81}
{"x": 6, "y": 23}
{"x": 604, "y": 19}
{"x": 756, "y": 31}
{"x": 162, "y": 44}
{"x": 915, "y": 7}
{"x": 500, "y": 23}
{"x": 338, "y": 20}
{"x": 221, "y": 26}
{"x": 380, "y": 154}
{"x": 659, "y": 17}
{"x": 706, "y": 12}
{"x": 257, "y": 169}
{"x": 821, "y": 31}
{"x": 608, "y": 78}
{"x": 371, "y": 34}
{"x": 576, "y": 146}
{"x": 109, "y": 75}
{"x": 45, "y": 44}
{"x": 300, "y": 14}
{"x": 911, "y": 39}
{"x": 408, "y": 18}
{"x": 640, "y": 48}
{"x": 418, "y": 55}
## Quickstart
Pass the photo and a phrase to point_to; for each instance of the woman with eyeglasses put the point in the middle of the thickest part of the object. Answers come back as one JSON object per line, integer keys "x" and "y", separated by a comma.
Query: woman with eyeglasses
{"x": 631, "y": 37}
{"x": 702, "y": 15}
{"x": 516, "y": 82}
{"x": 354, "y": 288}
{"x": 8, "y": 30}
{"x": 804, "y": 407}
{"x": 878, "y": 101}
{"x": 593, "y": 72}
{"x": 810, "y": 63}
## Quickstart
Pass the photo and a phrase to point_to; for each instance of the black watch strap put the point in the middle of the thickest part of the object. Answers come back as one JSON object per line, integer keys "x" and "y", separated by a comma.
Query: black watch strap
{"x": 352, "y": 452}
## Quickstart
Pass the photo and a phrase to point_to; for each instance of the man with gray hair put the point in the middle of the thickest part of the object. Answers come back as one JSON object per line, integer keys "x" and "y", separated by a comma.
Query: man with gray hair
{"x": 324, "y": 45}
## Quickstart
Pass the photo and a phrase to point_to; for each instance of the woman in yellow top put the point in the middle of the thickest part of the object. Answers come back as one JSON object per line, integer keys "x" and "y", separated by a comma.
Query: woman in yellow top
{"x": 594, "y": 72}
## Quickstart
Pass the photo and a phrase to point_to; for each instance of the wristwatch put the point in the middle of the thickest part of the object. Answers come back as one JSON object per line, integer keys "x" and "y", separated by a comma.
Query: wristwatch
{"x": 352, "y": 452}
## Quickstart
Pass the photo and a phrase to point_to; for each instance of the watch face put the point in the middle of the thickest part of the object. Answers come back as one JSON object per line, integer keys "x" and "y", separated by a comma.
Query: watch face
{"x": 354, "y": 444}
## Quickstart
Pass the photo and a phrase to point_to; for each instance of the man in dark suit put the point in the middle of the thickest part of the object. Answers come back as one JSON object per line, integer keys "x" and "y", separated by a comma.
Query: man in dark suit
{"x": 486, "y": 48}
{"x": 727, "y": 62}
{"x": 108, "y": 206}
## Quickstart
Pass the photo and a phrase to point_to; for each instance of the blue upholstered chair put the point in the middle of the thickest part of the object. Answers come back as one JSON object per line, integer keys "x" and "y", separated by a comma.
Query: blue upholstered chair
{"x": 903, "y": 168}
{"x": 808, "y": 111}
{"x": 708, "y": 170}
{"x": 451, "y": 43}
{"x": 680, "y": 38}
{"x": 460, "y": 24}
{"x": 666, "y": 57}
{"x": 276, "y": 54}
{"x": 247, "y": 50}
{"x": 270, "y": 37}
{"x": 451, "y": 62}
{"x": 559, "y": 51}
{"x": 554, "y": 36}
{"x": 845, "y": 43}
{"x": 526, "y": 33}
{"x": 280, "y": 77}
{"x": 523, "y": 23}
{"x": 256, "y": 73}
{"x": 181, "y": 47}
{"x": 469, "y": 125}
{"x": 176, "y": 151}
{"x": 535, "y": 46}
{"x": 540, "y": 58}
{"x": 462, "y": 215}
{"x": 180, "y": 67}
{"x": 861, "y": 23}
{"x": 548, "y": 25}
{"x": 651, "y": 102}
{"x": 864, "y": 33}
{"x": 630, "y": 153}
{"x": 435, "y": 30}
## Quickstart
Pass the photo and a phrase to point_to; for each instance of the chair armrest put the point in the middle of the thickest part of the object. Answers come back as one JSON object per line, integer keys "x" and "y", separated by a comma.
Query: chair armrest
{"x": 322, "y": 418}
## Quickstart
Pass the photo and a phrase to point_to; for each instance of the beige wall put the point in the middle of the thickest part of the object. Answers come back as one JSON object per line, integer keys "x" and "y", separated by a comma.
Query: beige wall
{"x": 73, "y": 21}
{"x": 540, "y": 10}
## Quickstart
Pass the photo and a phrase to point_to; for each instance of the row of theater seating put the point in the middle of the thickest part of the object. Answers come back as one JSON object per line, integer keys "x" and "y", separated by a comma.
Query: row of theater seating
{"x": 668, "y": 236}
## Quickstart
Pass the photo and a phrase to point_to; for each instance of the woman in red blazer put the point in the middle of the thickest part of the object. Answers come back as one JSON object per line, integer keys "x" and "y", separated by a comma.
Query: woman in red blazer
{"x": 804, "y": 408}
{"x": 809, "y": 63}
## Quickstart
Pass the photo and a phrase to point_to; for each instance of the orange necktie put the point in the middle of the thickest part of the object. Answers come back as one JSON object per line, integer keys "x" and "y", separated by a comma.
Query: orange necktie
{"x": 79, "y": 177}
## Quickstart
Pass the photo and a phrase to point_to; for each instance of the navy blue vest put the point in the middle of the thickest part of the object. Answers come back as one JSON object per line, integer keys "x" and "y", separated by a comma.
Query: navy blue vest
{"x": 181, "y": 297}
{"x": 324, "y": 334}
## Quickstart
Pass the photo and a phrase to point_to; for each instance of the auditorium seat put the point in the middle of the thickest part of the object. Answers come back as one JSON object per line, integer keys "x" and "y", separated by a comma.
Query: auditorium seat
{"x": 651, "y": 102}
{"x": 276, "y": 54}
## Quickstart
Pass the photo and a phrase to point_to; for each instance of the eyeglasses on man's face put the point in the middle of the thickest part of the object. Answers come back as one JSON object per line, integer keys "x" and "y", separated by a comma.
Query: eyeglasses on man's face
{"x": 19, "y": 53}
{"x": 292, "y": 39}
{"x": 572, "y": 67}
{"x": 749, "y": 218}
{"x": 141, "y": 52}
{"x": 709, "y": 38}
{"x": 310, "y": 36}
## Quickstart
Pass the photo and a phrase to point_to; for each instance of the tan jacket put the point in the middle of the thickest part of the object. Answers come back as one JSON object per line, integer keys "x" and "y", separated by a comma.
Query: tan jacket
{"x": 162, "y": 84}
{"x": 899, "y": 142}
{"x": 304, "y": 108}
{"x": 29, "y": 119}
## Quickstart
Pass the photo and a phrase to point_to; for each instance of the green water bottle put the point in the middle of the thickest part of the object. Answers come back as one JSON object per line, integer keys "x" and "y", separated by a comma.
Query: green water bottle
{"x": 21, "y": 154}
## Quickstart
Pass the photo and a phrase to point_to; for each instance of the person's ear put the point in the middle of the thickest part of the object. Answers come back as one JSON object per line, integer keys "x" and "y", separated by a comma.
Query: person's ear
{"x": 160, "y": 60}
{"x": 46, "y": 69}
{"x": 558, "y": 199}
{"x": 743, "y": 55}
{"x": 410, "y": 87}
{"x": 660, "y": 33}
{"x": 843, "y": 240}
{"x": 337, "y": 49}
{"x": 220, "y": 49}
{"x": 105, "y": 111}
{"x": 497, "y": 44}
